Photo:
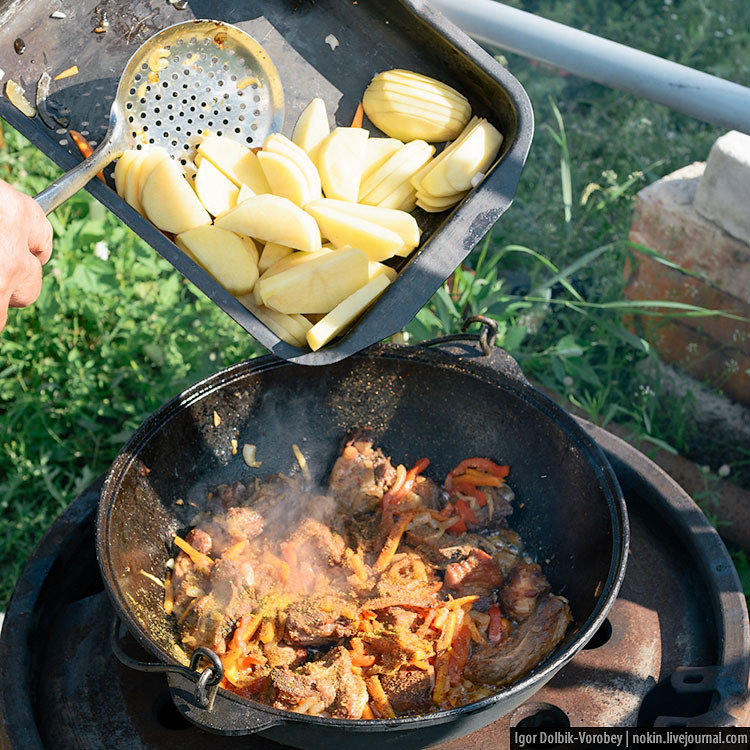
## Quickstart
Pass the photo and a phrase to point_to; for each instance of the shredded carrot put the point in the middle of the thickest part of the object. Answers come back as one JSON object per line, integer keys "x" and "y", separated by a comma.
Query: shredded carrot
{"x": 244, "y": 631}
{"x": 358, "y": 655}
{"x": 84, "y": 148}
{"x": 392, "y": 542}
{"x": 187, "y": 610}
{"x": 267, "y": 631}
{"x": 357, "y": 119}
{"x": 367, "y": 713}
{"x": 448, "y": 631}
{"x": 461, "y": 601}
{"x": 357, "y": 565}
{"x": 424, "y": 628}
{"x": 380, "y": 700}
{"x": 278, "y": 563}
{"x": 197, "y": 557}
{"x": 168, "y": 593}
{"x": 233, "y": 552}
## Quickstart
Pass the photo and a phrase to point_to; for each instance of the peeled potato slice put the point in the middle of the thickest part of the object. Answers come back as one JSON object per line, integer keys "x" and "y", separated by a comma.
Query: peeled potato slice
{"x": 121, "y": 168}
{"x": 236, "y": 161}
{"x": 273, "y": 320}
{"x": 375, "y": 269}
{"x": 410, "y": 106}
{"x": 272, "y": 253}
{"x": 271, "y": 218}
{"x": 312, "y": 128}
{"x": 169, "y": 202}
{"x": 377, "y": 152}
{"x": 279, "y": 144}
{"x": 285, "y": 178}
{"x": 346, "y": 312}
{"x": 293, "y": 260}
{"x": 395, "y": 171}
{"x": 473, "y": 155}
{"x": 340, "y": 161}
{"x": 317, "y": 286}
{"x": 400, "y": 222}
{"x": 342, "y": 229}
{"x": 223, "y": 255}
{"x": 217, "y": 193}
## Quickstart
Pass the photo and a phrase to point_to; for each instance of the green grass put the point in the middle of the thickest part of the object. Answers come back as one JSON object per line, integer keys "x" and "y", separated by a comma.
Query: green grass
{"x": 110, "y": 340}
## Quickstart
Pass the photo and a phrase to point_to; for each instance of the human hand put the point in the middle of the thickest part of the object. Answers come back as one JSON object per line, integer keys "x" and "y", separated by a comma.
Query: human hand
{"x": 25, "y": 246}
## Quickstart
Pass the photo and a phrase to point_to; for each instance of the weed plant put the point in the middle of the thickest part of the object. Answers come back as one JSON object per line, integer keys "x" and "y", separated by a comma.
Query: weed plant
{"x": 116, "y": 331}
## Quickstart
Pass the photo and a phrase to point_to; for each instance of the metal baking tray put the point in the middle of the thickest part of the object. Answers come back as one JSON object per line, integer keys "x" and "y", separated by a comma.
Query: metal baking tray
{"x": 329, "y": 49}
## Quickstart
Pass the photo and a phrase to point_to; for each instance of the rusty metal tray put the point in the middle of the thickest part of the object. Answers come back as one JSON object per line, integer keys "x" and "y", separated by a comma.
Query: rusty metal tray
{"x": 370, "y": 37}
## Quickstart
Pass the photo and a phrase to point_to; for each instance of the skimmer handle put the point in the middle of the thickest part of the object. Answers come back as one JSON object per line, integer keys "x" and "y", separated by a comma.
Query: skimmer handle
{"x": 71, "y": 182}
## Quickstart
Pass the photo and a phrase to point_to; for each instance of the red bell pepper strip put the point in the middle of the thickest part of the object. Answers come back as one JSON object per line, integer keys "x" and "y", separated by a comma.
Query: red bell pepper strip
{"x": 464, "y": 510}
{"x": 482, "y": 464}
{"x": 459, "y": 527}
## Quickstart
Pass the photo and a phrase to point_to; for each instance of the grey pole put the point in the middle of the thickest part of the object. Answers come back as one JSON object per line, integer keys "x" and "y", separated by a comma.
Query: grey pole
{"x": 684, "y": 89}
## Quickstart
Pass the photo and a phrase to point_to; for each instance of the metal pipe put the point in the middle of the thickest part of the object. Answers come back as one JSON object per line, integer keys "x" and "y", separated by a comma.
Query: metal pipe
{"x": 684, "y": 89}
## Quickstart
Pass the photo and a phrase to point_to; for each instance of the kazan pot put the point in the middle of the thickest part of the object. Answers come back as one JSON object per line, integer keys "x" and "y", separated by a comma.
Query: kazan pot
{"x": 447, "y": 400}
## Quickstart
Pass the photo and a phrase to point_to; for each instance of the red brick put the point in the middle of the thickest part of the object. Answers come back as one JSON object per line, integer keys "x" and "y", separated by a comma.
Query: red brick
{"x": 665, "y": 221}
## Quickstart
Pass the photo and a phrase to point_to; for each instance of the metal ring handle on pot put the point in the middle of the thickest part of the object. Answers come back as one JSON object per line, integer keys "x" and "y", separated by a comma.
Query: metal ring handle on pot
{"x": 206, "y": 681}
{"x": 493, "y": 356}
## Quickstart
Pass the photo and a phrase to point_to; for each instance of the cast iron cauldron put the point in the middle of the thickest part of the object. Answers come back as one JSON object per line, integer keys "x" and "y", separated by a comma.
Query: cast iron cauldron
{"x": 446, "y": 402}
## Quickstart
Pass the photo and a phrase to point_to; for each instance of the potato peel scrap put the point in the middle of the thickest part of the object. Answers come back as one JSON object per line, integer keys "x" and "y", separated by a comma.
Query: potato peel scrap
{"x": 67, "y": 73}
{"x": 17, "y": 98}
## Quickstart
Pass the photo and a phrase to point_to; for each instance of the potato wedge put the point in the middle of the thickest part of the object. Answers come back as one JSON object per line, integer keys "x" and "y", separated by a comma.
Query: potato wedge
{"x": 342, "y": 229}
{"x": 272, "y": 253}
{"x": 346, "y": 312}
{"x": 377, "y": 152}
{"x": 403, "y": 198}
{"x": 244, "y": 193}
{"x": 473, "y": 155}
{"x": 285, "y": 177}
{"x": 121, "y": 168}
{"x": 223, "y": 255}
{"x": 399, "y": 168}
{"x": 216, "y": 192}
{"x": 132, "y": 189}
{"x": 318, "y": 285}
{"x": 169, "y": 202}
{"x": 340, "y": 161}
{"x": 400, "y": 222}
{"x": 312, "y": 128}
{"x": 375, "y": 269}
{"x": 279, "y": 144}
{"x": 295, "y": 259}
{"x": 236, "y": 161}
{"x": 272, "y": 319}
{"x": 271, "y": 218}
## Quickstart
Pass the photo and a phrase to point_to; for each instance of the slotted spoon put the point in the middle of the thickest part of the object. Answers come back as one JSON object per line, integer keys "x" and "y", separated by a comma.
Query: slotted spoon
{"x": 189, "y": 78}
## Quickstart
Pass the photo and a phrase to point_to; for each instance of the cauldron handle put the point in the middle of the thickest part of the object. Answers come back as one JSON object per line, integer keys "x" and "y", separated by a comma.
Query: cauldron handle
{"x": 194, "y": 693}
{"x": 206, "y": 681}
{"x": 493, "y": 356}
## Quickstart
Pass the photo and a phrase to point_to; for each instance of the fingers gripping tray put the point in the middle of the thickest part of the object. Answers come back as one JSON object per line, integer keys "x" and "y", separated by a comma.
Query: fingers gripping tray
{"x": 327, "y": 49}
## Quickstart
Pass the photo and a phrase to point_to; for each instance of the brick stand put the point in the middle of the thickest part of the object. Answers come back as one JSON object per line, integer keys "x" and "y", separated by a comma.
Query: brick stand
{"x": 670, "y": 219}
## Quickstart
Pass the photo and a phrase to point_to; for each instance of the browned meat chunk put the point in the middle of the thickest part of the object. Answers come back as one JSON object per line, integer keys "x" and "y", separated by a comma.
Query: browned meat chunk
{"x": 431, "y": 495}
{"x": 532, "y": 641}
{"x": 477, "y": 574}
{"x": 317, "y": 622}
{"x": 320, "y": 541}
{"x": 283, "y": 656}
{"x": 408, "y": 690}
{"x": 447, "y": 549}
{"x": 401, "y": 619}
{"x": 226, "y": 496}
{"x": 328, "y": 685}
{"x": 243, "y": 523}
{"x": 361, "y": 475}
{"x": 525, "y": 584}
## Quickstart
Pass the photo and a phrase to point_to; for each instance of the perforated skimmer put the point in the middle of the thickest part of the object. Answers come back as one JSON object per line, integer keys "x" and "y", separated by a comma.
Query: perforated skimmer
{"x": 187, "y": 79}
